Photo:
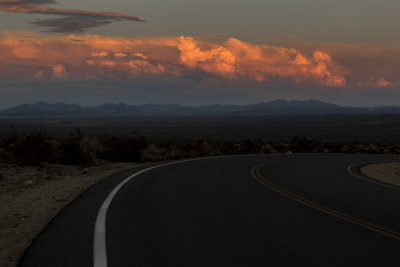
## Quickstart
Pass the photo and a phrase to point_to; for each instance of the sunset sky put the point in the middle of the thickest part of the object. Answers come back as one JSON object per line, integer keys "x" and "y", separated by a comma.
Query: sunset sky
{"x": 199, "y": 52}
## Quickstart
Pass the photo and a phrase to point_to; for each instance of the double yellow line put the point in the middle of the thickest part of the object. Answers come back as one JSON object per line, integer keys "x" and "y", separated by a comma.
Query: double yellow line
{"x": 255, "y": 171}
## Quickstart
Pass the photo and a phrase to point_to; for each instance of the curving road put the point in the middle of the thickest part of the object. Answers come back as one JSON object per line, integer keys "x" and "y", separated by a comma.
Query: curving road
{"x": 256, "y": 210}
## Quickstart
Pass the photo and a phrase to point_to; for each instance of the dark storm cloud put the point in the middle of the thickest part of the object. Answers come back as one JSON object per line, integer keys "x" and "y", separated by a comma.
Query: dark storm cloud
{"x": 70, "y": 24}
{"x": 27, "y": 2}
{"x": 71, "y": 20}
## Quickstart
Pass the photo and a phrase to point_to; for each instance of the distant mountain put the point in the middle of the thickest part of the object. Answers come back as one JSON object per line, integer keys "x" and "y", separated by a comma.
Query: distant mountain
{"x": 43, "y": 109}
{"x": 276, "y": 107}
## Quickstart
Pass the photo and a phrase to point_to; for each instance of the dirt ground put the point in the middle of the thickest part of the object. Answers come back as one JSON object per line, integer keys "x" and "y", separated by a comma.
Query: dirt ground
{"x": 31, "y": 196}
{"x": 385, "y": 172}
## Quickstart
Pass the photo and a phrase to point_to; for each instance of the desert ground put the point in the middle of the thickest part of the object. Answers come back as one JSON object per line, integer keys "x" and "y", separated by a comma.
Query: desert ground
{"x": 385, "y": 172}
{"x": 343, "y": 127}
{"x": 31, "y": 196}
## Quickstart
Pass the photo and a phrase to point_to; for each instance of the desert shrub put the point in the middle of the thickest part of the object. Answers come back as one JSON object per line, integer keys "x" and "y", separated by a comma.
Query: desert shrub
{"x": 175, "y": 151}
{"x": 301, "y": 144}
{"x": 76, "y": 150}
{"x": 204, "y": 148}
{"x": 280, "y": 148}
{"x": 193, "y": 149}
{"x": 266, "y": 149}
{"x": 10, "y": 140}
{"x": 251, "y": 147}
{"x": 228, "y": 148}
{"x": 153, "y": 153}
{"x": 35, "y": 148}
{"x": 4, "y": 155}
{"x": 31, "y": 148}
{"x": 128, "y": 149}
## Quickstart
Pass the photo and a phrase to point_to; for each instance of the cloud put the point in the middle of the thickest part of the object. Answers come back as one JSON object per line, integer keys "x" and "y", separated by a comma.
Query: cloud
{"x": 377, "y": 83}
{"x": 264, "y": 62}
{"x": 26, "y": 2}
{"x": 71, "y": 21}
{"x": 383, "y": 83}
{"x": 218, "y": 60}
{"x": 91, "y": 57}
{"x": 70, "y": 24}
{"x": 59, "y": 72}
{"x": 260, "y": 62}
{"x": 369, "y": 66}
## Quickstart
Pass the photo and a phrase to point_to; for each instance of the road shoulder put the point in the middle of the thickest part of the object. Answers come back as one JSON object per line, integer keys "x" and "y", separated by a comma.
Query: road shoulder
{"x": 31, "y": 196}
{"x": 388, "y": 172}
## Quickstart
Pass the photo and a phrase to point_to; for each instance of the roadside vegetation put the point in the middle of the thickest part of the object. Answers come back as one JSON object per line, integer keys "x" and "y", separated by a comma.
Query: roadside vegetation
{"x": 36, "y": 148}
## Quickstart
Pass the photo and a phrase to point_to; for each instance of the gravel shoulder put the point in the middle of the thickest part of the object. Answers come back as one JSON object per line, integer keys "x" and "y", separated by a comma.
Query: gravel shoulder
{"x": 385, "y": 172}
{"x": 31, "y": 196}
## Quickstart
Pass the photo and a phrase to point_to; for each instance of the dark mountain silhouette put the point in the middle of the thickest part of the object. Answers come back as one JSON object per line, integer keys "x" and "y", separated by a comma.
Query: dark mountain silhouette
{"x": 43, "y": 109}
{"x": 276, "y": 107}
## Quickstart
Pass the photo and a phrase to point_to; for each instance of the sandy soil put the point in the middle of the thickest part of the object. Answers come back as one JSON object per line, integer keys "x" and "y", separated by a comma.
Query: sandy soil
{"x": 31, "y": 196}
{"x": 385, "y": 172}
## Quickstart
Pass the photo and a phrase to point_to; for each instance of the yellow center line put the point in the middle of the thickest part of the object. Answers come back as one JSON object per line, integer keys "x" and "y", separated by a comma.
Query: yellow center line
{"x": 255, "y": 172}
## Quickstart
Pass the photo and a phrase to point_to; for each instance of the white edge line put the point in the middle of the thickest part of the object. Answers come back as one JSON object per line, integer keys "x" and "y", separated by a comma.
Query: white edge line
{"x": 371, "y": 180}
{"x": 99, "y": 242}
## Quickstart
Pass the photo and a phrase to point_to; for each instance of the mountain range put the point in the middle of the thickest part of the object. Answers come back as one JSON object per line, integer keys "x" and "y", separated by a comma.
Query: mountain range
{"x": 276, "y": 107}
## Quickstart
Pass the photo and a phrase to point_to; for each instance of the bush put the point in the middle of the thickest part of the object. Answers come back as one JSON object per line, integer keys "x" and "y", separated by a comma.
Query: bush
{"x": 123, "y": 149}
{"x": 31, "y": 149}
{"x": 4, "y": 156}
{"x": 153, "y": 153}
{"x": 35, "y": 148}
{"x": 76, "y": 150}
{"x": 300, "y": 144}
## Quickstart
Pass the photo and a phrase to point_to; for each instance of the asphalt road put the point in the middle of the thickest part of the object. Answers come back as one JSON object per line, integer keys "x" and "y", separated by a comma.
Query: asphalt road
{"x": 257, "y": 210}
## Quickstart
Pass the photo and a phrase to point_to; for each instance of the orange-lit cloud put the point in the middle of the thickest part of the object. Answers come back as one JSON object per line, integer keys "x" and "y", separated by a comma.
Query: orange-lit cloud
{"x": 260, "y": 62}
{"x": 71, "y": 20}
{"x": 263, "y": 62}
{"x": 218, "y": 60}
{"x": 95, "y": 57}
{"x": 377, "y": 83}
{"x": 370, "y": 66}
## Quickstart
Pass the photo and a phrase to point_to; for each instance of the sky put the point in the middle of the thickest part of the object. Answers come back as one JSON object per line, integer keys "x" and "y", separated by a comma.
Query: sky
{"x": 199, "y": 52}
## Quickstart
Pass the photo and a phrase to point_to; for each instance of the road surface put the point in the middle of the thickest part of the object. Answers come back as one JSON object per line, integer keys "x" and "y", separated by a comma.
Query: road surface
{"x": 255, "y": 210}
